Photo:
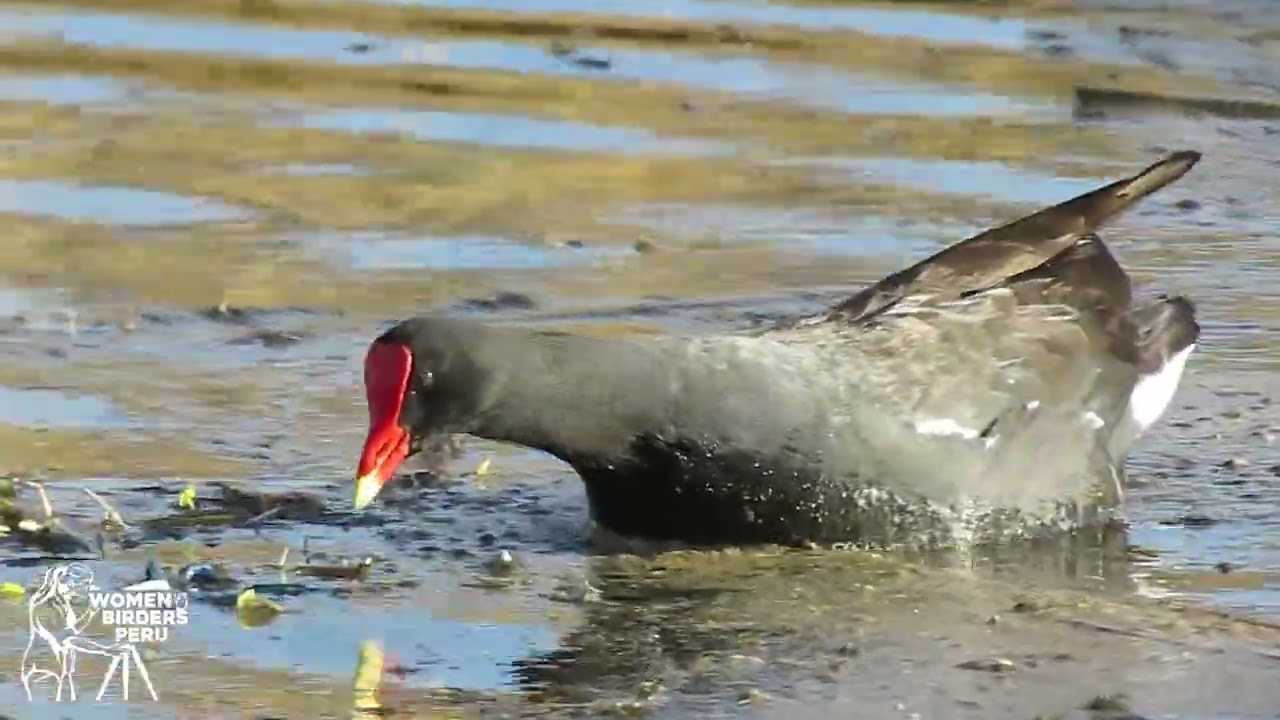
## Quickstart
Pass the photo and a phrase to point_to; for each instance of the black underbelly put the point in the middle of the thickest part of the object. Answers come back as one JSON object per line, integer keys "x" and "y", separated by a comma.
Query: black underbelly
{"x": 664, "y": 491}
{"x": 681, "y": 492}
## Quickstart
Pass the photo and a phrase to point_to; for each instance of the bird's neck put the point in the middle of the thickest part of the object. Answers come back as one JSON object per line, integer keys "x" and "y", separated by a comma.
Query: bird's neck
{"x": 572, "y": 395}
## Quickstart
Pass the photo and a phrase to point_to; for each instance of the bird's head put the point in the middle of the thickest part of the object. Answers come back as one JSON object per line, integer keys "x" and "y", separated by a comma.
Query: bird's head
{"x": 422, "y": 383}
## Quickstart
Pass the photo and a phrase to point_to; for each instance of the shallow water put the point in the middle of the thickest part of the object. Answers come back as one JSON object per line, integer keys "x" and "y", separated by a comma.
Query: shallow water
{"x": 493, "y": 129}
{"x": 381, "y": 251}
{"x": 38, "y": 407}
{"x": 107, "y": 205}
{"x": 1003, "y": 32}
{"x": 209, "y": 209}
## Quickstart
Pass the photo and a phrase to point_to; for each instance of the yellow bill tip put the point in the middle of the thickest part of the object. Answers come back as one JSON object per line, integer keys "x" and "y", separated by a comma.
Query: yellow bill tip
{"x": 367, "y": 488}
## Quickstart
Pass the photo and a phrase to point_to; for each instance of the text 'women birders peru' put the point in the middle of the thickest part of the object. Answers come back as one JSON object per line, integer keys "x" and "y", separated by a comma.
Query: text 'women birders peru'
{"x": 141, "y": 616}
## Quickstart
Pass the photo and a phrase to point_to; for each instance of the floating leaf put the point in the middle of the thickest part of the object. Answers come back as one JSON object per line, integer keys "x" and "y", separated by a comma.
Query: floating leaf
{"x": 187, "y": 498}
{"x": 12, "y": 590}
{"x": 254, "y": 611}
{"x": 249, "y": 598}
{"x": 255, "y": 617}
{"x": 483, "y": 468}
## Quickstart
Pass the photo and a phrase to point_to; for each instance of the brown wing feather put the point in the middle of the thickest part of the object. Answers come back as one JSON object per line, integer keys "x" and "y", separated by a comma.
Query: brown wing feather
{"x": 990, "y": 257}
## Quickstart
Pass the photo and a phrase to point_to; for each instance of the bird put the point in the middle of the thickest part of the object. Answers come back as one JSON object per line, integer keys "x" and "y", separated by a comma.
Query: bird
{"x": 990, "y": 391}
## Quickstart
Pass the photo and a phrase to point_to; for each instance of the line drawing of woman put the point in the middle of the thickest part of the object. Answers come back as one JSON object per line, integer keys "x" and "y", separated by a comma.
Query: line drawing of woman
{"x": 124, "y": 655}
{"x": 61, "y": 583}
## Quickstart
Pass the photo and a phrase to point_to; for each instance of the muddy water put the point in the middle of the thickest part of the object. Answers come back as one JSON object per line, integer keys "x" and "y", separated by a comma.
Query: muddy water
{"x": 208, "y": 208}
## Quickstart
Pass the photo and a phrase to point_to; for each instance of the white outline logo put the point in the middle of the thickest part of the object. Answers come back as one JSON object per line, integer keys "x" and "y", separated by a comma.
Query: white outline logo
{"x": 56, "y": 641}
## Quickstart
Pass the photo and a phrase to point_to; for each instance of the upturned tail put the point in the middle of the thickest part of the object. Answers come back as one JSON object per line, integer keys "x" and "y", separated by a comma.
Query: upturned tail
{"x": 1022, "y": 245}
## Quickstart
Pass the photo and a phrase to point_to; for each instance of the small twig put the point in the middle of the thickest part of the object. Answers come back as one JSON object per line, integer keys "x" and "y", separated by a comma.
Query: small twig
{"x": 260, "y": 517}
{"x": 44, "y": 499}
{"x": 284, "y": 572}
{"x": 112, "y": 515}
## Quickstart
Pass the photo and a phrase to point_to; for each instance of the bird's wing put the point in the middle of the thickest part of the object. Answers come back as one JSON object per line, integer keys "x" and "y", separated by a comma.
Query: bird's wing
{"x": 1021, "y": 246}
{"x": 1020, "y": 381}
{"x": 1051, "y": 336}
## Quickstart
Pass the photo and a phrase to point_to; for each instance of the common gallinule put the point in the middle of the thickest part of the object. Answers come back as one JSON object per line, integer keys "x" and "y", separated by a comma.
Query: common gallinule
{"x": 992, "y": 389}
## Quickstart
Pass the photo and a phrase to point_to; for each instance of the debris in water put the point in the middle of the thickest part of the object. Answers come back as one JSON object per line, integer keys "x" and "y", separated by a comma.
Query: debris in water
{"x": 257, "y": 520}
{"x": 291, "y": 505}
{"x": 500, "y": 301}
{"x": 191, "y": 518}
{"x": 255, "y": 611}
{"x": 1092, "y": 102}
{"x": 573, "y": 56}
{"x": 111, "y": 519}
{"x": 368, "y": 677}
{"x": 483, "y": 468}
{"x": 359, "y": 571}
{"x": 187, "y": 498}
{"x": 1138, "y": 551}
{"x": 50, "y": 533}
{"x": 271, "y": 339}
{"x": 499, "y": 572}
{"x": 1027, "y": 605}
{"x": 580, "y": 592}
{"x": 992, "y": 665}
{"x": 206, "y": 576}
{"x": 1192, "y": 521}
{"x": 1108, "y": 704}
{"x": 224, "y": 312}
{"x": 12, "y": 590}
{"x": 503, "y": 563}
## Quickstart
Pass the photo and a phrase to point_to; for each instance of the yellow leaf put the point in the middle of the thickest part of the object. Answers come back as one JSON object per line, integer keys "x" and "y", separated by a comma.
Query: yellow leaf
{"x": 368, "y": 676}
{"x": 187, "y": 498}
{"x": 249, "y": 598}
{"x": 483, "y": 468}
{"x": 12, "y": 590}
{"x": 254, "y": 611}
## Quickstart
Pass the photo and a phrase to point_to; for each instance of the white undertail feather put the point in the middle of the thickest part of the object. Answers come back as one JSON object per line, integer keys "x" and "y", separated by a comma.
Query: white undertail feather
{"x": 1154, "y": 392}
